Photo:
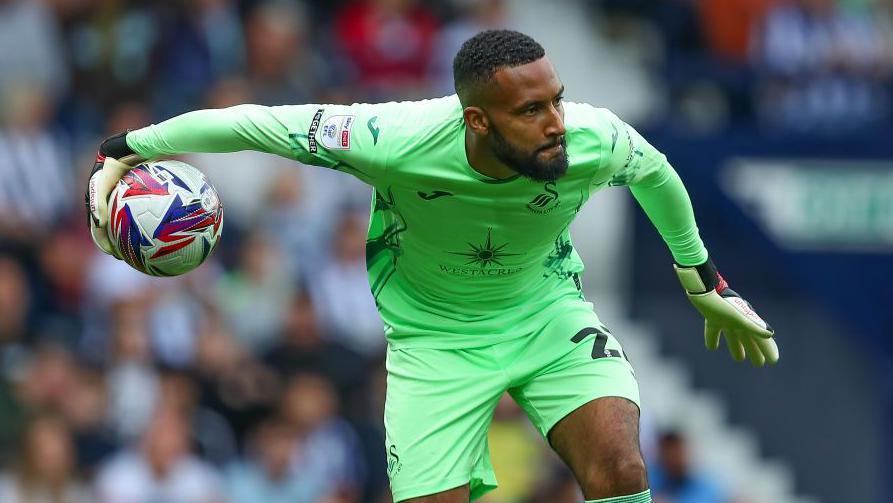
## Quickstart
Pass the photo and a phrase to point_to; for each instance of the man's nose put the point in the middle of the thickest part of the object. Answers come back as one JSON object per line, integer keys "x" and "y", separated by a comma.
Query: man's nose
{"x": 555, "y": 126}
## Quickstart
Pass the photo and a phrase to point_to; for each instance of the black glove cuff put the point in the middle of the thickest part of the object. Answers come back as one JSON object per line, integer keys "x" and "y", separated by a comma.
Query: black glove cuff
{"x": 116, "y": 146}
{"x": 708, "y": 273}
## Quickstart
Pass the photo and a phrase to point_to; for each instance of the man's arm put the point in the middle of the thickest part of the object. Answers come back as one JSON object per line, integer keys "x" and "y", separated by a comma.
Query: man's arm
{"x": 625, "y": 158}
{"x": 664, "y": 199}
{"x": 334, "y": 136}
{"x": 242, "y": 127}
{"x": 632, "y": 161}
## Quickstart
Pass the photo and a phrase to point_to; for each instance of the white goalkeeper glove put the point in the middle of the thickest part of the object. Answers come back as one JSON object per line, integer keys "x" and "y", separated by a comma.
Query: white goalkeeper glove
{"x": 114, "y": 159}
{"x": 726, "y": 313}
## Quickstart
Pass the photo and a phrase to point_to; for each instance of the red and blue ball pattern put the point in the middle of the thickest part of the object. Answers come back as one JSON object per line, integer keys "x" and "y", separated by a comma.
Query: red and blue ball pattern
{"x": 166, "y": 218}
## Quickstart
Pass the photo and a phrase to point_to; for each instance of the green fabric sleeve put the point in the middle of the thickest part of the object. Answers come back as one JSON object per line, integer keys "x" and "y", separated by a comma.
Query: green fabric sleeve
{"x": 633, "y": 162}
{"x": 242, "y": 127}
{"x": 321, "y": 135}
{"x": 665, "y": 200}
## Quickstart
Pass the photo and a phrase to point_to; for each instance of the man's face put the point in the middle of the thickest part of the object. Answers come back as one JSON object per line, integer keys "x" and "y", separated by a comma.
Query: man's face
{"x": 526, "y": 120}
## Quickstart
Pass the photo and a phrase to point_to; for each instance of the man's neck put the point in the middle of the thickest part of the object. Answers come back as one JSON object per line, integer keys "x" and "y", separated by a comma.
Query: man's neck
{"x": 481, "y": 159}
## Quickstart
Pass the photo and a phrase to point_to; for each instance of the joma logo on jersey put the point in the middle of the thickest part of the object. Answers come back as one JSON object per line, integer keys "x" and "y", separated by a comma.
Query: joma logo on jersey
{"x": 374, "y": 129}
{"x": 545, "y": 203}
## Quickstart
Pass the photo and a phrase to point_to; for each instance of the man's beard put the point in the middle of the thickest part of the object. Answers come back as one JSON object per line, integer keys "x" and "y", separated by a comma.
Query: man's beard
{"x": 529, "y": 164}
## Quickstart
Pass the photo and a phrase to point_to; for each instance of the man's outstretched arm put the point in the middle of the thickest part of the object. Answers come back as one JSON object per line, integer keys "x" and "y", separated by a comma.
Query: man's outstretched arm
{"x": 322, "y": 135}
{"x": 242, "y": 127}
{"x": 662, "y": 195}
{"x": 665, "y": 200}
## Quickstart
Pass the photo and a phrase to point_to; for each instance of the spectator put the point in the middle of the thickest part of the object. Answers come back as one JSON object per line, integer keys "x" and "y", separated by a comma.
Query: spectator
{"x": 302, "y": 211}
{"x": 63, "y": 282}
{"x": 49, "y": 378}
{"x": 389, "y": 46}
{"x": 885, "y": 20}
{"x": 214, "y": 439}
{"x": 303, "y": 347}
{"x": 109, "y": 282}
{"x": 230, "y": 382}
{"x": 327, "y": 450}
{"x": 672, "y": 479}
{"x": 297, "y": 228}
{"x": 171, "y": 308}
{"x": 15, "y": 301}
{"x": 267, "y": 475}
{"x": 729, "y": 25}
{"x": 46, "y": 470}
{"x": 35, "y": 179}
{"x": 824, "y": 68}
{"x": 30, "y": 49}
{"x": 15, "y": 351}
{"x": 366, "y": 410}
{"x": 11, "y": 420}
{"x": 254, "y": 297}
{"x": 111, "y": 46}
{"x": 86, "y": 412}
{"x": 283, "y": 65}
{"x": 177, "y": 311}
{"x": 475, "y": 16}
{"x": 202, "y": 42}
{"x": 340, "y": 290}
{"x": 161, "y": 468}
{"x": 132, "y": 381}
{"x": 127, "y": 115}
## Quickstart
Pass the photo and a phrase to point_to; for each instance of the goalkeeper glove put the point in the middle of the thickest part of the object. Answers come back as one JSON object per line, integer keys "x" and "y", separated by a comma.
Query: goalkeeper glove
{"x": 725, "y": 312}
{"x": 113, "y": 160}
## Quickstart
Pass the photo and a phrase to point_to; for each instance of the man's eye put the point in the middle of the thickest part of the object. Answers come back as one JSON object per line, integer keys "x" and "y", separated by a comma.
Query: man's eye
{"x": 558, "y": 100}
{"x": 530, "y": 111}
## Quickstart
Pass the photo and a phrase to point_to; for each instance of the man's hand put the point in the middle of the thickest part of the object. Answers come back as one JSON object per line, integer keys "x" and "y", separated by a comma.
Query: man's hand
{"x": 114, "y": 159}
{"x": 725, "y": 312}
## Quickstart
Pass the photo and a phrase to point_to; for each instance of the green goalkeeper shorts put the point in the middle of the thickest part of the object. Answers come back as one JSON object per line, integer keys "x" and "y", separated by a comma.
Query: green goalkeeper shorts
{"x": 440, "y": 401}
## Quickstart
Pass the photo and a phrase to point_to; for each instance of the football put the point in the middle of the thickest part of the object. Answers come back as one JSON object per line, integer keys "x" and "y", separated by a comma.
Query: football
{"x": 165, "y": 218}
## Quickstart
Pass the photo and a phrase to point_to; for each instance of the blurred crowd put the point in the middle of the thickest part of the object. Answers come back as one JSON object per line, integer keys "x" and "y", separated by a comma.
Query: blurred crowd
{"x": 260, "y": 376}
{"x": 788, "y": 66}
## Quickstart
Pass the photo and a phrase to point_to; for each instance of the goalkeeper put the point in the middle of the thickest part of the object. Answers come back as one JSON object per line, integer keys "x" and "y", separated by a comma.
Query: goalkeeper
{"x": 471, "y": 263}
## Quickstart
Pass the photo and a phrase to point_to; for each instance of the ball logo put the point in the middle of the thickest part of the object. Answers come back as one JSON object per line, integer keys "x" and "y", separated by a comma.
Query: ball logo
{"x": 210, "y": 201}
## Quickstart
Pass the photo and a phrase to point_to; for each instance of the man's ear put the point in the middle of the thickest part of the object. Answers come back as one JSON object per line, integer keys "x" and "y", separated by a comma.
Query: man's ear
{"x": 476, "y": 120}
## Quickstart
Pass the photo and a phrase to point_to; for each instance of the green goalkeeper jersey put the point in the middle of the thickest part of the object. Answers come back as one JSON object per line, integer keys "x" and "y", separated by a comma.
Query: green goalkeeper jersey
{"x": 454, "y": 257}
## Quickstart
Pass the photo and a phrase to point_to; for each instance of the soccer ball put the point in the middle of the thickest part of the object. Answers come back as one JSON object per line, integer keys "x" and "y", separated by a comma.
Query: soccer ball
{"x": 165, "y": 218}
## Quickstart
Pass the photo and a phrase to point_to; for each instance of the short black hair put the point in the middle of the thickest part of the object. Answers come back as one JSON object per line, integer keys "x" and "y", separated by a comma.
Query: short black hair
{"x": 488, "y": 51}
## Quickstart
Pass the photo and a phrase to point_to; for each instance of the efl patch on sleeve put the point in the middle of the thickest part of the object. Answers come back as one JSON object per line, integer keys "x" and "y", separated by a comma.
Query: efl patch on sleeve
{"x": 335, "y": 132}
